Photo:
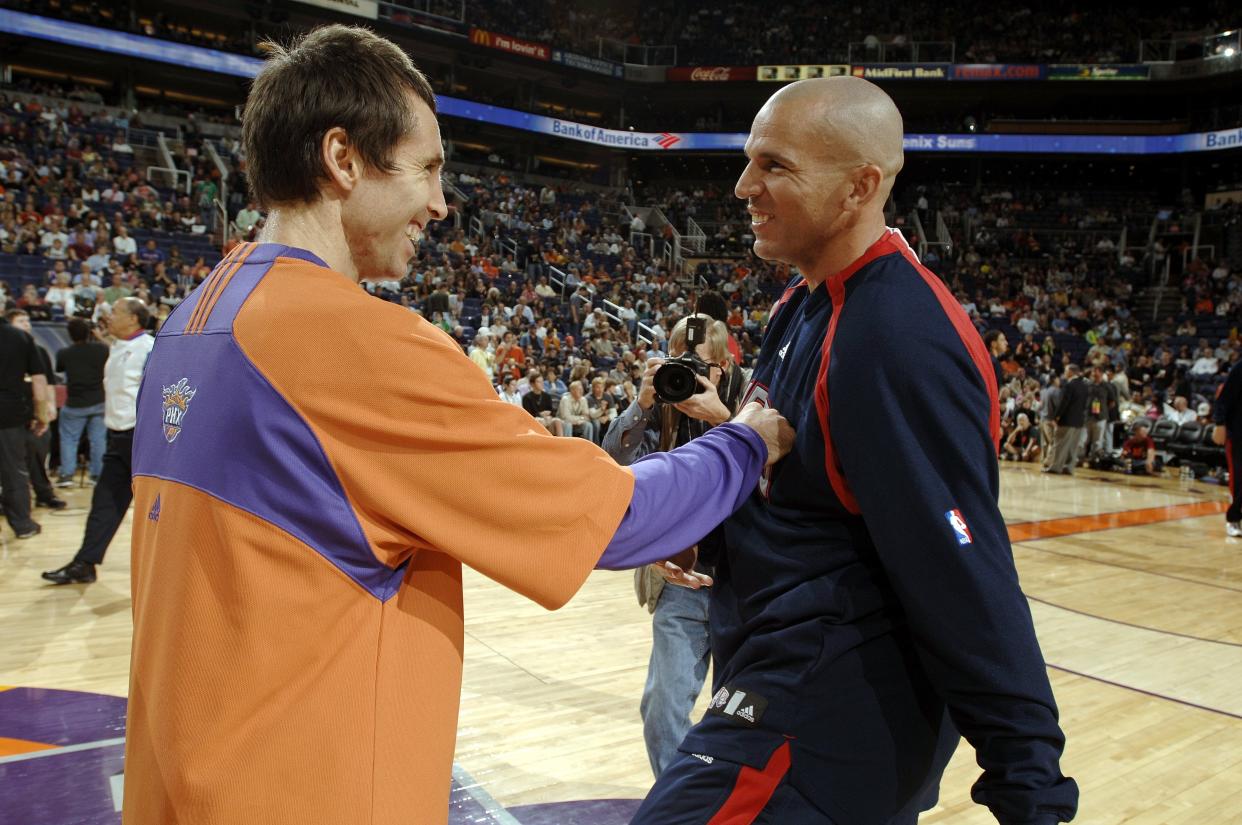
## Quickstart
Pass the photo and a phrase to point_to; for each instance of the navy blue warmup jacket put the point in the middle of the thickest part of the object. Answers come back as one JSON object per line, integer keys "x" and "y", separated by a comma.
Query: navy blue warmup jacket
{"x": 869, "y": 583}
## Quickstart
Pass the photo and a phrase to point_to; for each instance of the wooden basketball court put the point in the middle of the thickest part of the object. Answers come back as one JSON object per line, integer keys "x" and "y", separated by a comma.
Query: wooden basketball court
{"x": 1133, "y": 585}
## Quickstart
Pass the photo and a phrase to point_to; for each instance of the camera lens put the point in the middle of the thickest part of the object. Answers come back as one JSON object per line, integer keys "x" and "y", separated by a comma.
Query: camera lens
{"x": 675, "y": 383}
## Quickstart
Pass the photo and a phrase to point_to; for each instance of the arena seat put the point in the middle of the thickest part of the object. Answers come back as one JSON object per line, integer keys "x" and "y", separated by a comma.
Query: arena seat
{"x": 1187, "y": 438}
{"x": 1163, "y": 432}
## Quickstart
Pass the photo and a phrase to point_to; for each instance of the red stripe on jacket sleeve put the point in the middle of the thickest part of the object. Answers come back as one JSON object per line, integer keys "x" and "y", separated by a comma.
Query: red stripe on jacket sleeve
{"x": 836, "y": 476}
{"x": 969, "y": 335}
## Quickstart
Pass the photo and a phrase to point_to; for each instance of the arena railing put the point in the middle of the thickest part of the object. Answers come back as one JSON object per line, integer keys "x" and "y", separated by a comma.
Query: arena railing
{"x": 612, "y": 312}
{"x": 173, "y": 174}
{"x": 1222, "y": 45}
{"x": 914, "y": 51}
{"x": 646, "y": 239}
{"x": 696, "y": 238}
{"x": 645, "y": 335}
{"x": 451, "y": 10}
{"x": 636, "y": 54}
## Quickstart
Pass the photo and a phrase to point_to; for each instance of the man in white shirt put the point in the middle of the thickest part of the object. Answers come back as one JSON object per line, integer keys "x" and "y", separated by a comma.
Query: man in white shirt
{"x": 1180, "y": 412}
{"x": 248, "y": 217}
{"x": 123, "y": 244}
{"x": 114, "y": 491}
{"x": 1206, "y": 364}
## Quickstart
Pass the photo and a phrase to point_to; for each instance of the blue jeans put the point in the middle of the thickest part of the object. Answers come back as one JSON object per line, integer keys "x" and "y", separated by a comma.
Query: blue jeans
{"x": 72, "y": 421}
{"x": 680, "y": 647}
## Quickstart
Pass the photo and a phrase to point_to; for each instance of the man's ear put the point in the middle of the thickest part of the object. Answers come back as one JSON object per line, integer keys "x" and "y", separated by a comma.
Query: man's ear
{"x": 341, "y": 164}
{"x": 868, "y": 183}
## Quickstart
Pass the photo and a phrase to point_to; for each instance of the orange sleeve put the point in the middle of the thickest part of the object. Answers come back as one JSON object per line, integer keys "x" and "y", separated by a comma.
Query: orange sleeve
{"x": 430, "y": 458}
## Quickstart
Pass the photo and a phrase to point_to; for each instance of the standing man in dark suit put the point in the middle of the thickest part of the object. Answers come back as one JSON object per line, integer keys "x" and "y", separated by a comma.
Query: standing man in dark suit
{"x": 1070, "y": 417}
{"x": 39, "y": 444}
{"x": 19, "y": 357}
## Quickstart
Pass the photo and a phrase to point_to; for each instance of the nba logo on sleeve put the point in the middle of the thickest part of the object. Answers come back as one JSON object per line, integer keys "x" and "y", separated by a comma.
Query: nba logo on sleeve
{"x": 959, "y": 527}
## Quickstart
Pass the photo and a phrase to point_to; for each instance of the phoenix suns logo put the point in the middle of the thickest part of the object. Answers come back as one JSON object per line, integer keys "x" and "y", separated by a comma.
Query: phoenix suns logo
{"x": 177, "y": 400}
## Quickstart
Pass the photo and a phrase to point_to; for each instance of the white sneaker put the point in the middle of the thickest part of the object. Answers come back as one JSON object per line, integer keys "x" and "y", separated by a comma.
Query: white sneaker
{"x": 1233, "y": 529}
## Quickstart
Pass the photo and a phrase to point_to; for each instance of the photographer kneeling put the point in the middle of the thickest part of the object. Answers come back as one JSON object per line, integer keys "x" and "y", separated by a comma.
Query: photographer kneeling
{"x": 678, "y": 401}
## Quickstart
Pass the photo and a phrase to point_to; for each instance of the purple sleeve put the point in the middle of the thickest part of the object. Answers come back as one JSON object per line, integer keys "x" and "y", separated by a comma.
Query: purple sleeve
{"x": 679, "y": 496}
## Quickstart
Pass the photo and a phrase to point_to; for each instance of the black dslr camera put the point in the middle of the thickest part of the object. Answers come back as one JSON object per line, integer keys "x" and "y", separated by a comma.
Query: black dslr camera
{"x": 677, "y": 379}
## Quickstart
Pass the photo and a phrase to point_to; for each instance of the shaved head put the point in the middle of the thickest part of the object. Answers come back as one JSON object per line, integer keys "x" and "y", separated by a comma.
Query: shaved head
{"x": 856, "y": 120}
{"x": 823, "y": 156}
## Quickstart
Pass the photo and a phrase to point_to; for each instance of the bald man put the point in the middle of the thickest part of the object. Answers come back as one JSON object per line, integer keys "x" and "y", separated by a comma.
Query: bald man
{"x": 866, "y": 608}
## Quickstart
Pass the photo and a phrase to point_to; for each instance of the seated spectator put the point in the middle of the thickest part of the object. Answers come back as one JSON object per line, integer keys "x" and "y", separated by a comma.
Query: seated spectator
{"x": 483, "y": 356}
{"x": 1206, "y": 363}
{"x": 123, "y": 245}
{"x": 61, "y": 295}
{"x": 539, "y": 404}
{"x": 1023, "y": 441}
{"x": 150, "y": 256}
{"x": 575, "y": 413}
{"x": 120, "y": 144}
{"x": 81, "y": 247}
{"x": 1180, "y": 412}
{"x": 248, "y": 218}
{"x": 1138, "y": 453}
{"x": 117, "y": 288}
{"x": 33, "y": 304}
{"x": 602, "y": 406}
{"x": 509, "y": 392}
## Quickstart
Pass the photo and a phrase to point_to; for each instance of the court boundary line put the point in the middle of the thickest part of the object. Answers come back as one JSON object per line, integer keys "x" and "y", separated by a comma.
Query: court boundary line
{"x": 1145, "y": 692}
{"x": 1173, "y": 576}
{"x": 84, "y": 746}
{"x": 480, "y": 795}
{"x": 1132, "y": 624}
{"x": 1101, "y": 522}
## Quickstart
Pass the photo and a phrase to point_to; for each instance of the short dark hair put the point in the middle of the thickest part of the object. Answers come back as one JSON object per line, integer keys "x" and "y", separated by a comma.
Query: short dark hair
{"x": 713, "y": 305}
{"x": 13, "y": 314}
{"x": 79, "y": 330}
{"x": 334, "y": 76}
{"x": 989, "y": 337}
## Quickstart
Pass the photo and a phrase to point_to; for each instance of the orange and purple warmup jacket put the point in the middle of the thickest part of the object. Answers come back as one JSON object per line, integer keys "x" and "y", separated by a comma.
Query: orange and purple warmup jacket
{"x": 312, "y": 468}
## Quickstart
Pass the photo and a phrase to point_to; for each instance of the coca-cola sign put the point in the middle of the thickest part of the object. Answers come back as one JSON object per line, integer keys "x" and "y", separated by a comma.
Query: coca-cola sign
{"x": 709, "y": 74}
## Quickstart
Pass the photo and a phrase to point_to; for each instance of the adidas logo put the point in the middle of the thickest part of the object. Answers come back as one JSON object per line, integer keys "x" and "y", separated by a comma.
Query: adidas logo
{"x": 704, "y": 757}
{"x": 784, "y": 349}
{"x": 747, "y": 713}
{"x": 154, "y": 515}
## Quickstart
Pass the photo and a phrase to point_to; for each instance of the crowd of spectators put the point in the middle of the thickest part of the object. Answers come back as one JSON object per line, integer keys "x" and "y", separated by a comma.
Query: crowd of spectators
{"x": 1044, "y": 272}
{"x": 553, "y": 298}
{"x": 81, "y": 224}
{"x": 568, "y": 284}
{"x": 741, "y": 33}
{"x": 746, "y": 34}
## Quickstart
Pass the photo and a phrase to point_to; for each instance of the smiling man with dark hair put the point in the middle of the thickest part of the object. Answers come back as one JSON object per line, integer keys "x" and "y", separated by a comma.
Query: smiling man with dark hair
{"x": 310, "y": 464}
